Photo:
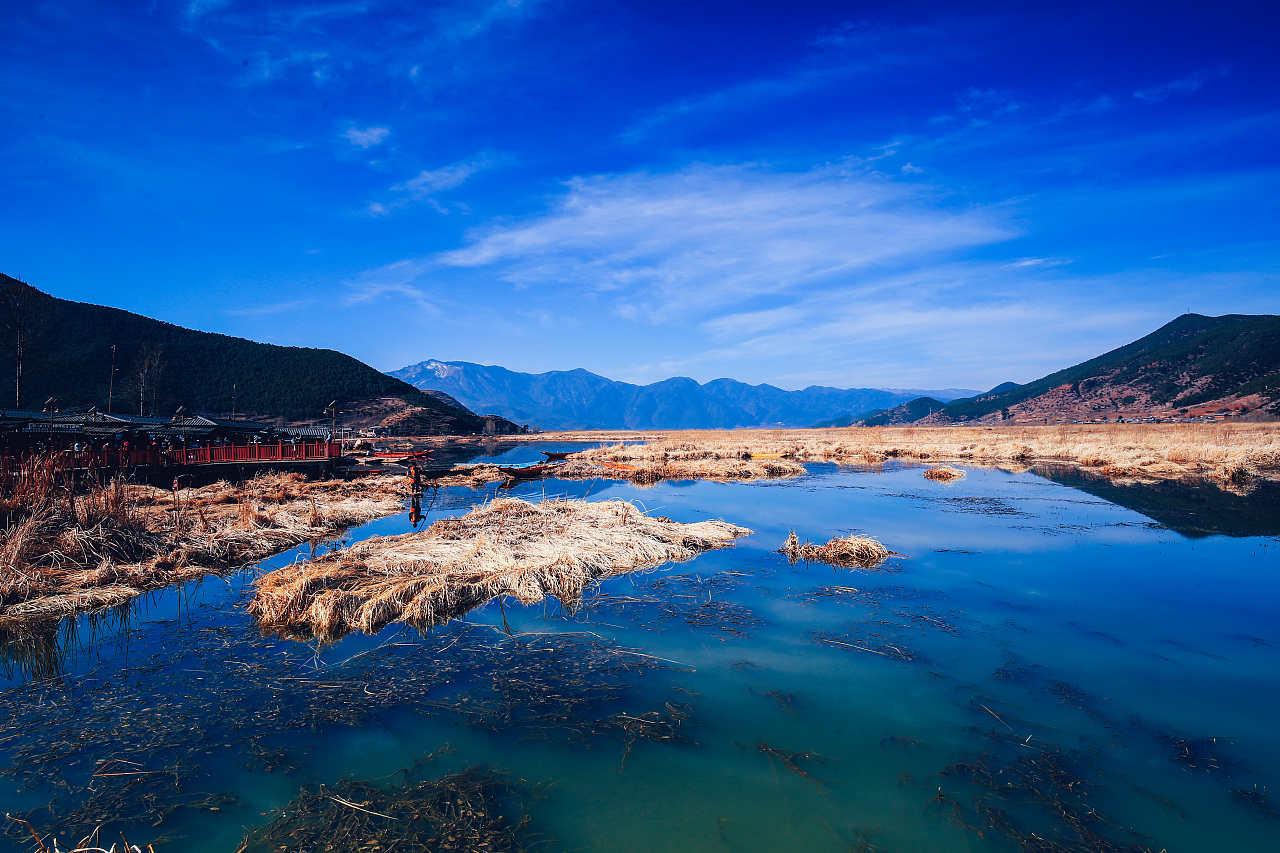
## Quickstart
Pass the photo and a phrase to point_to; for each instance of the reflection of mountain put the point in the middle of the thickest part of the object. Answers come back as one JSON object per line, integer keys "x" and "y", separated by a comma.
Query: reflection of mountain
{"x": 1194, "y": 510}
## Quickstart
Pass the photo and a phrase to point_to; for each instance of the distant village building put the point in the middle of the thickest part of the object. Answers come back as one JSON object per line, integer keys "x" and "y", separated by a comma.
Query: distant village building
{"x": 95, "y": 440}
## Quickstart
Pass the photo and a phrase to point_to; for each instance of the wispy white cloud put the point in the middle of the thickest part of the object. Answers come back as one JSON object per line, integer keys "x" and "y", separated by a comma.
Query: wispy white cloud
{"x": 426, "y": 185}
{"x": 944, "y": 323}
{"x": 396, "y": 280}
{"x": 468, "y": 20}
{"x": 428, "y": 182}
{"x": 993, "y": 101}
{"x": 1042, "y": 263}
{"x": 328, "y": 40}
{"x": 682, "y": 244}
{"x": 368, "y": 137}
{"x": 1182, "y": 86}
{"x": 849, "y": 51}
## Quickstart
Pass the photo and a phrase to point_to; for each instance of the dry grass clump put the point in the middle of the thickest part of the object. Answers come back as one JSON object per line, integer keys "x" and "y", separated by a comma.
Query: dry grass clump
{"x": 653, "y": 463}
{"x": 507, "y": 547}
{"x": 67, "y": 548}
{"x": 471, "y": 476}
{"x": 943, "y": 473}
{"x": 1225, "y": 453}
{"x": 849, "y": 552}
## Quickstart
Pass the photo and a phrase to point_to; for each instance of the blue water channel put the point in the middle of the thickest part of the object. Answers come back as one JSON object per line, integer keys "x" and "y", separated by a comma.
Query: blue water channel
{"x": 1034, "y": 662}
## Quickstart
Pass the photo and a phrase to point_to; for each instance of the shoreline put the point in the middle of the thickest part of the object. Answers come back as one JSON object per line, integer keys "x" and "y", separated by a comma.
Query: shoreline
{"x": 65, "y": 556}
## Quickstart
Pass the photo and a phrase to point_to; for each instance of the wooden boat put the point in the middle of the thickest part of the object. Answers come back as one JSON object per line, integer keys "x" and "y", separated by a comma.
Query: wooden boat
{"x": 556, "y": 457}
{"x": 620, "y": 467}
{"x": 525, "y": 472}
{"x": 437, "y": 473}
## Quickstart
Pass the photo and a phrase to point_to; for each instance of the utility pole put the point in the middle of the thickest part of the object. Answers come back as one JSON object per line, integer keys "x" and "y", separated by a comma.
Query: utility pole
{"x": 111, "y": 383}
{"x": 233, "y": 401}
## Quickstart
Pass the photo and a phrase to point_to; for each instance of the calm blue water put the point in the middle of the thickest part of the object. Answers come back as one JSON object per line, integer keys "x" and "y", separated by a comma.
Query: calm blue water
{"x": 1033, "y": 649}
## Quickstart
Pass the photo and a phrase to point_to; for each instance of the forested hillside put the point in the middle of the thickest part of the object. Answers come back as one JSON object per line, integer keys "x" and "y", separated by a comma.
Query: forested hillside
{"x": 160, "y": 366}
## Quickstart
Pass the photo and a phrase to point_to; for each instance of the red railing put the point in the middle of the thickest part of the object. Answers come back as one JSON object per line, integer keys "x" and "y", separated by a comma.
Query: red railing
{"x": 134, "y": 458}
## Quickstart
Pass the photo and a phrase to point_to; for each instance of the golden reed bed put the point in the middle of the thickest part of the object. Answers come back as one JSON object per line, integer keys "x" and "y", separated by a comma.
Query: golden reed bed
{"x": 1228, "y": 453}
{"x": 65, "y": 552}
{"x": 506, "y": 547}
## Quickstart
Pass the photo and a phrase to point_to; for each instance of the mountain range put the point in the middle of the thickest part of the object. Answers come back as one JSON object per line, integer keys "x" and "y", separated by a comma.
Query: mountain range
{"x": 91, "y": 355}
{"x": 579, "y": 399}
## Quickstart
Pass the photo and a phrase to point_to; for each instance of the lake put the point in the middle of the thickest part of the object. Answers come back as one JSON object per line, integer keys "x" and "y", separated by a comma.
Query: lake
{"x": 1039, "y": 666}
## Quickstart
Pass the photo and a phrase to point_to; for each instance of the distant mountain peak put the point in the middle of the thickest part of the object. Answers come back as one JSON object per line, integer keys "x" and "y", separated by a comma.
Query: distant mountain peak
{"x": 580, "y": 399}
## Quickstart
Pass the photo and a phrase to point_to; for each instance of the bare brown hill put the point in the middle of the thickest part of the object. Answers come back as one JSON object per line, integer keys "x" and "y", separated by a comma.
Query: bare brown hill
{"x": 1193, "y": 366}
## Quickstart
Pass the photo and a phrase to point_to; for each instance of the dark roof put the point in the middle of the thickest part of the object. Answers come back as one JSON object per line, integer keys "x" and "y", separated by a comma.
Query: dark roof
{"x": 307, "y": 431}
{"x": 22, "y": 415}
{"x": 100, "y": 424}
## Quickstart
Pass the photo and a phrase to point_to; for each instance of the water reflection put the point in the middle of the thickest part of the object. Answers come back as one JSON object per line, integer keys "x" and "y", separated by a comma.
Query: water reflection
{"x": 1194, "y": 509}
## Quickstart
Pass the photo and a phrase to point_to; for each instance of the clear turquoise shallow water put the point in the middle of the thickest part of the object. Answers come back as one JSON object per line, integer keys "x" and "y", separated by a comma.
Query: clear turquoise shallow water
{"x": 1022, "y": 619}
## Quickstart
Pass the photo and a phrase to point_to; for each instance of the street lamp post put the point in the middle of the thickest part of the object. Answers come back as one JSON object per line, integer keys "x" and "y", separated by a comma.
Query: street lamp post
{"x": 111, "y": 381}
{"x": 182, "y": 413}
{"x": 50, "y": 406}
{"x": 333, "y": 429}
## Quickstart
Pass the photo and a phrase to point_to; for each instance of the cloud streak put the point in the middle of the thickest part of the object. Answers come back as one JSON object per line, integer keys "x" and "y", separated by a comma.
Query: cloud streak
{"x": 682, "y": 244}
{"x": 397, "y": 279}
{"x": 1182, "y": 86}
{"x": 368, "y": 137}
{"x": 428, "y": 182}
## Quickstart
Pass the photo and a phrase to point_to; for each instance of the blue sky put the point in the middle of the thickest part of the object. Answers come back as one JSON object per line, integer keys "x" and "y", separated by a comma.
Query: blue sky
{"x": 915, "y": 195}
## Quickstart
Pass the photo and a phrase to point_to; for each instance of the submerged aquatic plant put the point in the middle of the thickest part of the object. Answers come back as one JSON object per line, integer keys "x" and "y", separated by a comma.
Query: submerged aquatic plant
{"x": 475, "y": 809}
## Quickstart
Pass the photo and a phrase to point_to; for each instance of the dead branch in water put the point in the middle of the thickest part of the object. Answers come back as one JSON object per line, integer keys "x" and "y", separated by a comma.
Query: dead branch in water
{"x": 508, "y": 547}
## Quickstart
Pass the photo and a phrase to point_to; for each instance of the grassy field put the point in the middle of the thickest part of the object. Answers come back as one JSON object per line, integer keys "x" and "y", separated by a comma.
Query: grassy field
{"x": 1231, "y": 454}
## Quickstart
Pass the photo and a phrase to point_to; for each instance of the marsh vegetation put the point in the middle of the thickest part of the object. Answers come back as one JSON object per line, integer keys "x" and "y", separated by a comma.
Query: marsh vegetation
{"x": 72, "y": 546}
